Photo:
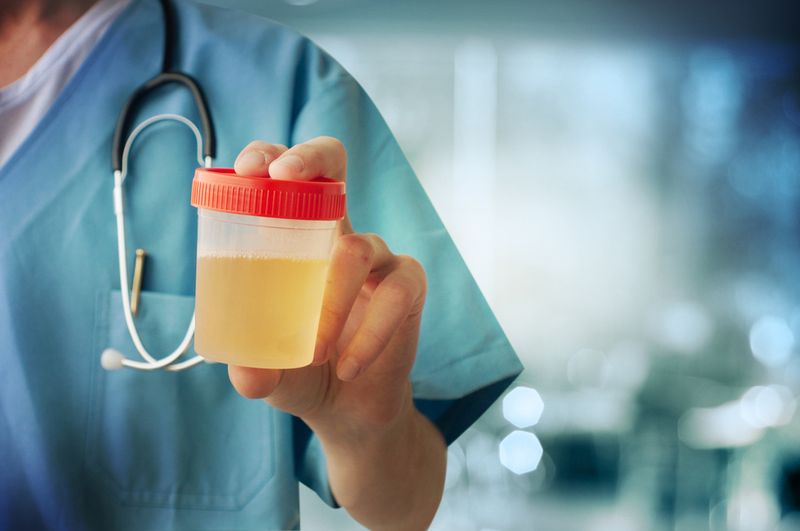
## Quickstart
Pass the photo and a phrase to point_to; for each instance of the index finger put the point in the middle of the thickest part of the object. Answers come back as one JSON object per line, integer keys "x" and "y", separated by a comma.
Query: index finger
{"x": 256, "y": 157}
{"x": 323, "y": 156}
{"x": 354, "y": 257}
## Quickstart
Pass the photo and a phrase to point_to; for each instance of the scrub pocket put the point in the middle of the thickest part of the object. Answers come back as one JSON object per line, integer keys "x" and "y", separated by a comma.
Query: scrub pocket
{"x": 173, "y": 439}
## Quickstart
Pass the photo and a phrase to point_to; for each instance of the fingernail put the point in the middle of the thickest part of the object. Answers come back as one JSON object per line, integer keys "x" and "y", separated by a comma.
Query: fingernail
{"x": 348, "y": 370}
{"x": 291, "y": 163}
{"x": 250, "y": 161}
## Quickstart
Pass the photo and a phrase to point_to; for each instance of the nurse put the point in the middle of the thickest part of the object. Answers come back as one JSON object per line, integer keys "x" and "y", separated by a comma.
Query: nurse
{"x": 408, "y": 353}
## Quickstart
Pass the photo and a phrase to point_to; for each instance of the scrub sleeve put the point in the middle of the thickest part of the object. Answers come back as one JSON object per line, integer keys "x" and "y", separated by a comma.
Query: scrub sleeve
{"x": 464, "y": 360}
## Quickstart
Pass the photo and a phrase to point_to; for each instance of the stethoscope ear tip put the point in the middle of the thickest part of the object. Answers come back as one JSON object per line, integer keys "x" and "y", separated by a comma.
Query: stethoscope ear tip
{"x": 111, "y": 359}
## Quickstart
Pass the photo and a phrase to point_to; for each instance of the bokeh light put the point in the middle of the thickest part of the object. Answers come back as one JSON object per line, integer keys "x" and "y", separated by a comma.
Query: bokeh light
{"x": 717, "y": 427}
{"x": 523, "y": 407}
{"x": 752, "y": 510}
{"x": 682, "y": 326}
{"x": 771, "y": 341}
{"x": 520, "y": 452}
{"x": 766, "y": 406}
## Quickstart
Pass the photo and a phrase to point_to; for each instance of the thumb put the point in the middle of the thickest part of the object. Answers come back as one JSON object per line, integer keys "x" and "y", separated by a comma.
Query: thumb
{"x": 254, "y": 383}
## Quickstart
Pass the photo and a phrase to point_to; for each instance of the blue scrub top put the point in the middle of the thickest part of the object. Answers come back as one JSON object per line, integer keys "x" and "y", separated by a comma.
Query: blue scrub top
{"x": 85, "y": 448}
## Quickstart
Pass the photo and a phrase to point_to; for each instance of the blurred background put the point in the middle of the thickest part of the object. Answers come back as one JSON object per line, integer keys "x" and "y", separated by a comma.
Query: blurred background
{"x": 623, "y": 179}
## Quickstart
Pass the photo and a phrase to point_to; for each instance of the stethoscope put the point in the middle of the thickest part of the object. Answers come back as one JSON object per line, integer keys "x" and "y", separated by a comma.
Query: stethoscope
{"x": 111, "y": 358}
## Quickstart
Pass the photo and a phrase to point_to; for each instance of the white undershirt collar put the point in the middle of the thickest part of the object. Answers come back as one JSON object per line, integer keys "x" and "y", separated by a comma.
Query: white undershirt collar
{"x": 24, "y": 102}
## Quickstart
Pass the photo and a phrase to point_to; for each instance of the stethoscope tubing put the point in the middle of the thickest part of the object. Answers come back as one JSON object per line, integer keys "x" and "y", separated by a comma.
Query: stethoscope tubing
{"x": 164, "y": 78}
{"x": 112, "y": 358}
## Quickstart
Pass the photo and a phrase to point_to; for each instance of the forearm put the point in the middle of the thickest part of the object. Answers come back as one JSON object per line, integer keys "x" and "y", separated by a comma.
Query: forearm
{"x": 388, "y": 478}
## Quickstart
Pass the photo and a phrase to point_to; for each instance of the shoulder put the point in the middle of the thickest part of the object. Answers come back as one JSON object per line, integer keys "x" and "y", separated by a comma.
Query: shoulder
{"x": 251, "y": 43}
{"x": 261, "y": 78}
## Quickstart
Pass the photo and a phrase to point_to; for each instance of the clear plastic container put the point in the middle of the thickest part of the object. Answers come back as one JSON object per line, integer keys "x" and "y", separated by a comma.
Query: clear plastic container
{"x": 263, "y": 248}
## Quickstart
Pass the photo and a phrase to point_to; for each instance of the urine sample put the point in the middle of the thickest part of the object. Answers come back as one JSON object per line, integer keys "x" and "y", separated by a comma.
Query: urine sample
{"x": 263, "y": 250}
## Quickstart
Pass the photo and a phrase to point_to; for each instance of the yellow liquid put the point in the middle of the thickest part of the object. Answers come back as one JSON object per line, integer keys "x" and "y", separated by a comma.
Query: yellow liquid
{"x": 258, "y": 312}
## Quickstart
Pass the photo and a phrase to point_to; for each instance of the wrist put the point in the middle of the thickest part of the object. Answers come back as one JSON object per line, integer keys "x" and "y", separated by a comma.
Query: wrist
{"x": 361, "y": 431}
{"x": 390, "y": 477}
